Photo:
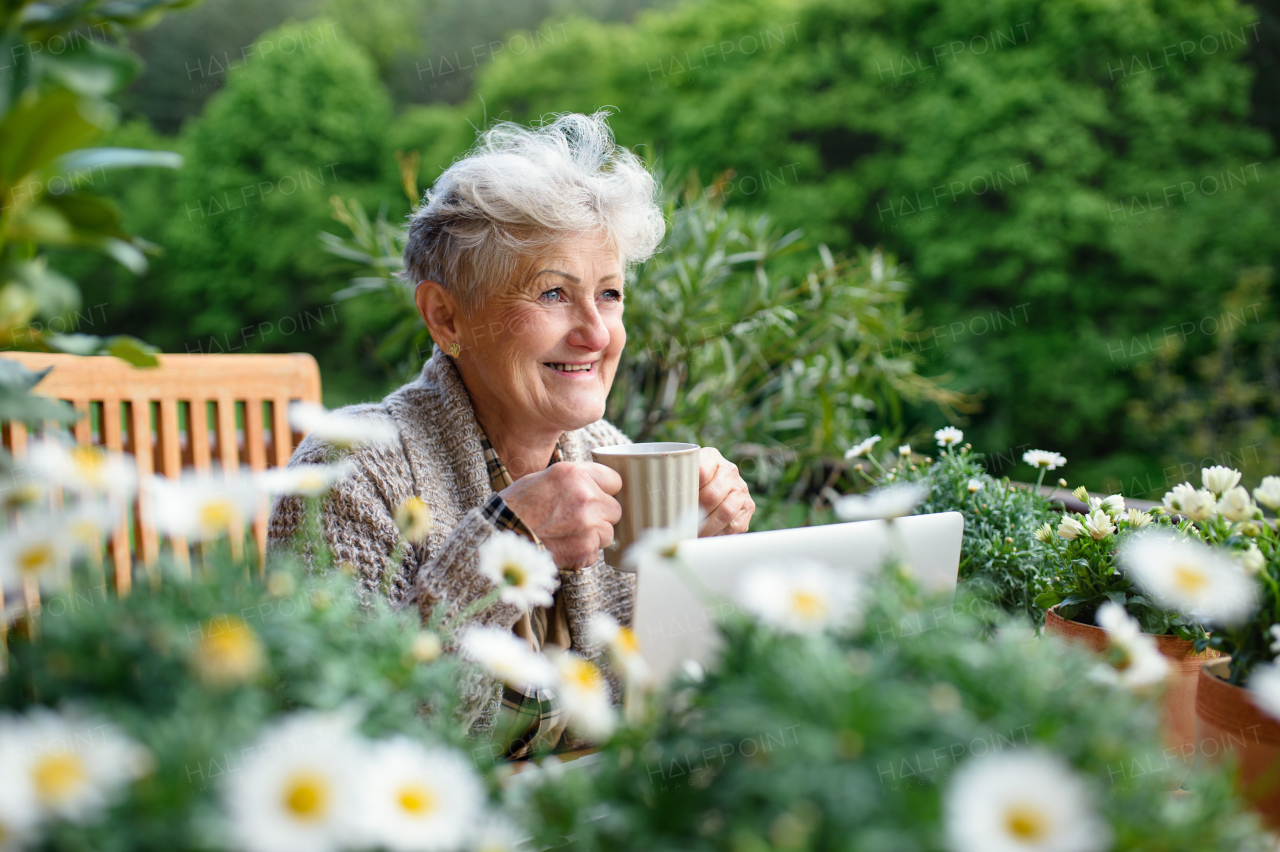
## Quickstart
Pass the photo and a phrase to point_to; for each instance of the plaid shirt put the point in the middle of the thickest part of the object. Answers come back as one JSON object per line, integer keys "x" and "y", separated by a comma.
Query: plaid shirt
{"x": 532, "y": 720}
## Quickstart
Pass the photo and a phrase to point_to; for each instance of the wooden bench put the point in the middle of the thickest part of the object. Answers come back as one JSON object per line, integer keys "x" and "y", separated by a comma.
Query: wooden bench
{"x": 193, "y": 411}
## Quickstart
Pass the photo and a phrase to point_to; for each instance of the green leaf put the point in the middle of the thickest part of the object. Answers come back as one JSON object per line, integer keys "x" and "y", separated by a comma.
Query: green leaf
{"x": 117, "y": 158}
{"x": 1045, "y": 600}
{"x": 91, "y": 68}
{"x": 131, "y": 349}
{"x": 18, "y": 403}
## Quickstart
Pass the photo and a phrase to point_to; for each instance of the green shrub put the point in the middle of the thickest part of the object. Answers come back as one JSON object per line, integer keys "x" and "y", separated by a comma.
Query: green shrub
{"x": 831, "y": 127}
{"x": 1000, "y": 559}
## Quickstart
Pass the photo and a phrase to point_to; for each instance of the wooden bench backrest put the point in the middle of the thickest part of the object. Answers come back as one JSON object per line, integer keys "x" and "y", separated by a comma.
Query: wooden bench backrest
{"x": 193, "y": 411}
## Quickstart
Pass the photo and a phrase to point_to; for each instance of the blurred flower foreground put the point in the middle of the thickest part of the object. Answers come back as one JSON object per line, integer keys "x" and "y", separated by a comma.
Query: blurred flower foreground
{"x": 229, "y": 704}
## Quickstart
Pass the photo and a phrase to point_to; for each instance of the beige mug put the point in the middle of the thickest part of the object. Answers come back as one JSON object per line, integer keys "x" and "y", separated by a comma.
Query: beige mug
{"x": 659, "y": 489}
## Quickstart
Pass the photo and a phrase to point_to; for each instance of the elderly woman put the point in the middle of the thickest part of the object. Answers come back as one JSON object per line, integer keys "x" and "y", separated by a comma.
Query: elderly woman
{"x": 519, "y": 256}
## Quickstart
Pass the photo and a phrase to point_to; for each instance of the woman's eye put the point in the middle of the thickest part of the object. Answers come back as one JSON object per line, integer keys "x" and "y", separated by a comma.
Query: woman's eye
{"x": 556, "y": 295}
{"x": 613, "y": 295}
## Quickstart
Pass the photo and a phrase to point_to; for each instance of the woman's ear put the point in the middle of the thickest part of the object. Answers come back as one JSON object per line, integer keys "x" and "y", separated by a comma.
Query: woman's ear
{"x": 440, "y": 312}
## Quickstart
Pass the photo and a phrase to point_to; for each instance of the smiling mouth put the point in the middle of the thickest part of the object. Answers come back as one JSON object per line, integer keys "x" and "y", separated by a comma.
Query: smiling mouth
{"x": 570, "y": 368}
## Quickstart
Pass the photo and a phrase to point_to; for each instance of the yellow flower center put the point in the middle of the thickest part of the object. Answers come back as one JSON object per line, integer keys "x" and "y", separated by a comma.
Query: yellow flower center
{"x": 513, "y": 574}
{"x": 229, "y": 651}
{"x": 1026, "y": 823}
{"x": 35, "y": 558}
{"x": 216, "y": 515}
{"x": 417, "y": 800}
{"x": 583, "y": 674}
{"x": 1190, "y": 579}
{"x": 627, "y": 641}
{"x": 306, "y": 796}
{"x": 89, "y": 462}
{"x": 807, "y": 605}
{"x": 57, "y": 777}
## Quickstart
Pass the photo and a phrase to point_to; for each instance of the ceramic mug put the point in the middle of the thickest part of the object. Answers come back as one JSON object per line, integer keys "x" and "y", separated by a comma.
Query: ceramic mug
{"x": 659, "y": 489}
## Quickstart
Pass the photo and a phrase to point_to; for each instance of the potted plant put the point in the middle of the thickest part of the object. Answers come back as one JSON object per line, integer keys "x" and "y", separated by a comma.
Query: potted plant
{"x": 1085, "y": 573}
{"x": 1238, "y": 698}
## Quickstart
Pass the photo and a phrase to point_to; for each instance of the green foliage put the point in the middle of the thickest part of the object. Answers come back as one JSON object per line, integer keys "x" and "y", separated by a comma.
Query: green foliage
{"x": 239, "y": 222}
{"x": 54, "y": 102}
{"x": 1224, "y": 409}
{"x": 136, "y": 661}
{"x": 1081, "y": 563}
{"x": 847, "y": 741}
{"x": 1000, "y": 557}
{"x": 1049, "y": 255}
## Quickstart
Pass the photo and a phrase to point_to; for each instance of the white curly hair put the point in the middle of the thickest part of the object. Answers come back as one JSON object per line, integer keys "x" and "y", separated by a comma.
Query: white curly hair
{"x": 519, "y": 193}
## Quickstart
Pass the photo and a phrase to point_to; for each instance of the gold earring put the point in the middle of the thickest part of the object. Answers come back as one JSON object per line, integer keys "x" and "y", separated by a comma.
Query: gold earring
{"x": 454, "y": 349}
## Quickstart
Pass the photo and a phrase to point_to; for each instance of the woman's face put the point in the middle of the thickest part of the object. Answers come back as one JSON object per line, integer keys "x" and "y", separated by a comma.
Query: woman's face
{"x": 543, "y": 352}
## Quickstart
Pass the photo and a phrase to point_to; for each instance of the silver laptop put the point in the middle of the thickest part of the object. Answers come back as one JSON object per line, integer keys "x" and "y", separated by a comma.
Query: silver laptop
{"x": 675, "y": 622}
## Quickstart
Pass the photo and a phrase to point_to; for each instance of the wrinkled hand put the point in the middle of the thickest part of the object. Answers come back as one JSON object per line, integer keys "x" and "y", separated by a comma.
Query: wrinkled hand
{"x": 722, "y": 495}
{"x": 570, "y": 506}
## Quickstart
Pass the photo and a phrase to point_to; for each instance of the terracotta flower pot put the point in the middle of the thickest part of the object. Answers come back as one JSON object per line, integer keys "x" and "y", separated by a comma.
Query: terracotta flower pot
{"x": 1228, "y": 723}
{"x": 1179, "y": 715}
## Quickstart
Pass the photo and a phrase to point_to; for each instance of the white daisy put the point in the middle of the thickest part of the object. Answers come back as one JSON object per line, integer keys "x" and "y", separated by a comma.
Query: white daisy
{"x": 341, "y": 429}
{"x": 17, "y": 495}
{"x": 1251, "y": 560}
{"x": 904, "y": 451}
{"x": 1138, "y": 519}
{"x": 948, "y": 436}
{"x": 1045, "y": 533}
{"x": 413, "y": 519}
{"x": 87, "y": 470}
{"x": 1098, "y": 525}
{"x": 203, "y": 506}
{"x": 1264, "y": 688}
{"x": 863, "y": 448}
{"x": 1071, "y": 529}
{"x": 496, "y": 833}
{"x": 1044, "y": 459}
{"x": 426, "y": 647}
{"x": 1137, "y": 661}
{"x": 77, "y": 765}
{"x": 1275, "y": 638}
{"x": 507, "y": 657}
{"x": 302, "y": 480}
{"x": 418, "y": 799}
{"x": 525, "y": 575}
{"x": 888, "y": 503}
{"x": 623, "y": 646}
{"x": 801, "y": 596}
{"x": 975, "y": 485}
{"x": 1268, "y": 492}
{"x": 1113, "y": 505}
{"x": 301, "y": 790}
{"x": 584, "y": 695}
{"x": 657, "y": 547}
{"x": 1236, "y": 505}
{"x": 1198, "y": 505}
{"x": 228, "y": 652}
{"x": 1219, "y": 479}
{"x": 38, "y": 551}
{"x": 19, "y": 809}
{"x": 1024, "y": 800}
{"x": 1190, "y": 577}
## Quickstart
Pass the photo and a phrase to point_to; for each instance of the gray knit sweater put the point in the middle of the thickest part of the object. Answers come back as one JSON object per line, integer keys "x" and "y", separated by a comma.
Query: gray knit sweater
{"x": 438, "y": 459}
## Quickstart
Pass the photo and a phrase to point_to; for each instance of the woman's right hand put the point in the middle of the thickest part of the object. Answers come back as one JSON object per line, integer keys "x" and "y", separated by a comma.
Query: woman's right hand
{"x": 570, "y": 506}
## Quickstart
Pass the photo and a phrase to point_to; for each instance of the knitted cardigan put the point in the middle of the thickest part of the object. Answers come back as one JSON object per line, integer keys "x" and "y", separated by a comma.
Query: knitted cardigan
{"x": 438, "y": 458}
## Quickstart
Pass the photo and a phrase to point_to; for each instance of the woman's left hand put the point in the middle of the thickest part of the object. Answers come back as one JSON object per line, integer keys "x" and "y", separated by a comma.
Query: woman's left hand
{"x": 722, "y": 495}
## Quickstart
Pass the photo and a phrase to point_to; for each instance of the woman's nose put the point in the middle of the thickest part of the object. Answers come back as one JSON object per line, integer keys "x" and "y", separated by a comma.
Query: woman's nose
{"x": 589, "y": 330}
